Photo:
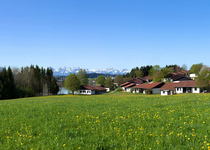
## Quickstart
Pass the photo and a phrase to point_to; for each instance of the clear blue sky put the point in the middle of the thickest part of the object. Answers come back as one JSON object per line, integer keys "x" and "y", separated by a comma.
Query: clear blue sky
{"x": 104, "y": 33}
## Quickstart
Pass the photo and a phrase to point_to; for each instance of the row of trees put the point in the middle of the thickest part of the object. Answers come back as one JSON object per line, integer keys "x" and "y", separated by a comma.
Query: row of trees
{"x": 138, "y": 72}
{"x": 156, "y": 71}
{"x": 27, "y": 81}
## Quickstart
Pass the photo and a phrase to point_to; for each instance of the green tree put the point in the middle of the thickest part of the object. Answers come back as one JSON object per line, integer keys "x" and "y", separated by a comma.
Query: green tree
{"x": 72, "y": 83}
{"x": 138, "y": 73}
{"x": 4, "y": 90}
{"x": 132, "y": 73}
{"x": 109, "y": 82}
{"x": 101, "y": 80}
{"x": 11, "y": 85}
{"x": 1, "y": 89}
{"x": 43, "y": 79}
{"x": 49, "y": 75}
{"x": 154, "y": 70}
{"x": 54, "y": 88}
{"x": 145, "y": 70}
{"x": 196, "y": 68}
{"x": 1, "y": 85}
{"x": 82, "y": 76}
{"x": 203, "y": 79}
{"x": 118, "y": 79}
{"x": 158, "y": 76}
{"x": 166, "y": 72}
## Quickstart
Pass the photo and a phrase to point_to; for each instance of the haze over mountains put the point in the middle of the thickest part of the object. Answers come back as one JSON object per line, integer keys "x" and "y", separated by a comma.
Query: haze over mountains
{"x": 65, "y": 71}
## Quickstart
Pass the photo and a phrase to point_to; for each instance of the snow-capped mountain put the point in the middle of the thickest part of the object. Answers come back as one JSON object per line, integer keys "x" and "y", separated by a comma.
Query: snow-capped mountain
{"x": 64, "y": 71}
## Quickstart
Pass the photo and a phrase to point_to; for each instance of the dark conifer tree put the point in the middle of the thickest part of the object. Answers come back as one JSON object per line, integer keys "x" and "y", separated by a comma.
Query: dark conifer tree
{"x": 54, "y": 88}
{"x": 49, "y": 76}
{"x": 37, "y": 79}
{"x": 4, "y": 91}
{"x": 43, "y": 78}
{"x": 1, "y": 86}
{"x": 11, "y": 86}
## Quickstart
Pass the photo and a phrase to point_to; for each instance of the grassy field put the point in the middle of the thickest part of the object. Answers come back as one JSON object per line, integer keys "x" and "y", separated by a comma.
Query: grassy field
{"x": 109, "y": 121}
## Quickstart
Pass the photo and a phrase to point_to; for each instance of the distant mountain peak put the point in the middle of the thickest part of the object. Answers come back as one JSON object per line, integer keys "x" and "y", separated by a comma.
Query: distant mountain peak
{"x": 65, "y": 71}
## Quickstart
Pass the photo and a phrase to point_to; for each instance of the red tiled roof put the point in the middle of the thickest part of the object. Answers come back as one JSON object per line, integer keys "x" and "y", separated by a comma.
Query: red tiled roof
{"x": 140, "y": 86}
{"x": 129, "y": 85}
{"x": 186, "y": 84}
{"x": 148, "y": 77}
{"x": 177, "y": 77}
{"x": 96, "y": 88}
{"x": 137, "y": 80}
{"x": 180, "y": 73}
{"x": 148, "y": 85}
{"x": 169, "y": 86}
{"x": 126, "y": 83}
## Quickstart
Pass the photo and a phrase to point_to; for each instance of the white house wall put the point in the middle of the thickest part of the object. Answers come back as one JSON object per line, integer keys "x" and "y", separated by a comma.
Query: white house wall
{"x": 196, "y": 91}
{"x": 165, "y": 92}
{"x": 179, "y": 90}
{"x": 128, "y": 89}
{"x": 107, "y": 89}
{"x": 84, "y": 92}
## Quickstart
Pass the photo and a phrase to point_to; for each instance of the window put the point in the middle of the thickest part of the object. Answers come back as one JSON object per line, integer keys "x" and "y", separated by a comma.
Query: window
{"x": 163, "y": 92}
{"x": 195, "y": 89}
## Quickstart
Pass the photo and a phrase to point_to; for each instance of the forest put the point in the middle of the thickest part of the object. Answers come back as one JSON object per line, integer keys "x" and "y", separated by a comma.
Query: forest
{"x": 27, "y": 82}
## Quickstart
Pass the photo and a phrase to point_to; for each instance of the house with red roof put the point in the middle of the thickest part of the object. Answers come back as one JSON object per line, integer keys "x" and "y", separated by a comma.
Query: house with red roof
{"x": 135, "y": 81}
{"x": 179, "y": 87}
{"x": 168, "y": 88}
{"x": 187, "y": 87}
{"x": 154, "y": 86}
{"x": 90, "y": 90}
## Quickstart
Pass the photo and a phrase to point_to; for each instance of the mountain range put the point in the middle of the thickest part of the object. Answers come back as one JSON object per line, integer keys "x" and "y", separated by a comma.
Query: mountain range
{"x": 65, "y": 71}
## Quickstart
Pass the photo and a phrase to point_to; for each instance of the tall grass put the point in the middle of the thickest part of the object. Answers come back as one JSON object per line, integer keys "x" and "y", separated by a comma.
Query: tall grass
{"x": 115, "y": 121}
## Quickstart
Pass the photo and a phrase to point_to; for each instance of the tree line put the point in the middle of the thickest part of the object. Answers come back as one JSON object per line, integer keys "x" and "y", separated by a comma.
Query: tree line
{"x": 27, "y": 82}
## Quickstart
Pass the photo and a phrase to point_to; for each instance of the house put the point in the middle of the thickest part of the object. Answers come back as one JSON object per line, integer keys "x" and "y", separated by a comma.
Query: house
{"x": 176, "y": 78}
{"x": 187, "y": 87}
{"x": 128, "y": 87}
{"x": 179, "y": 87}
{"x": 138, "y": 80}
{"x": 123, "y": 85}
{"x": 168, "y": 88}
{"x": 148, "y": 78}
{"x": 180, "y": 73}
{"x": 90, "y": 90}
{"x": 134, "y": 81}
{"x": 154, "y": 86}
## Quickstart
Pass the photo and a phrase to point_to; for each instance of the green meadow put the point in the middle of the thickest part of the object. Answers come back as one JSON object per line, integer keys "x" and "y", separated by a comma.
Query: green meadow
{"x": 109, "y": 121}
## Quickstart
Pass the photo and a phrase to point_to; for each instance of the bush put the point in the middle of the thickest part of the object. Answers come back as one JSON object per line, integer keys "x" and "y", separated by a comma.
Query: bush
{"x": 119, "y": 89}
{"x": 132, "y": 89}
{"x": 148, "y": 91}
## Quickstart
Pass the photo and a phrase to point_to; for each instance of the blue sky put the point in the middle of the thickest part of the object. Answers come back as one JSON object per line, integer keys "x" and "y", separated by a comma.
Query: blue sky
{"x": 104, "y": 33}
